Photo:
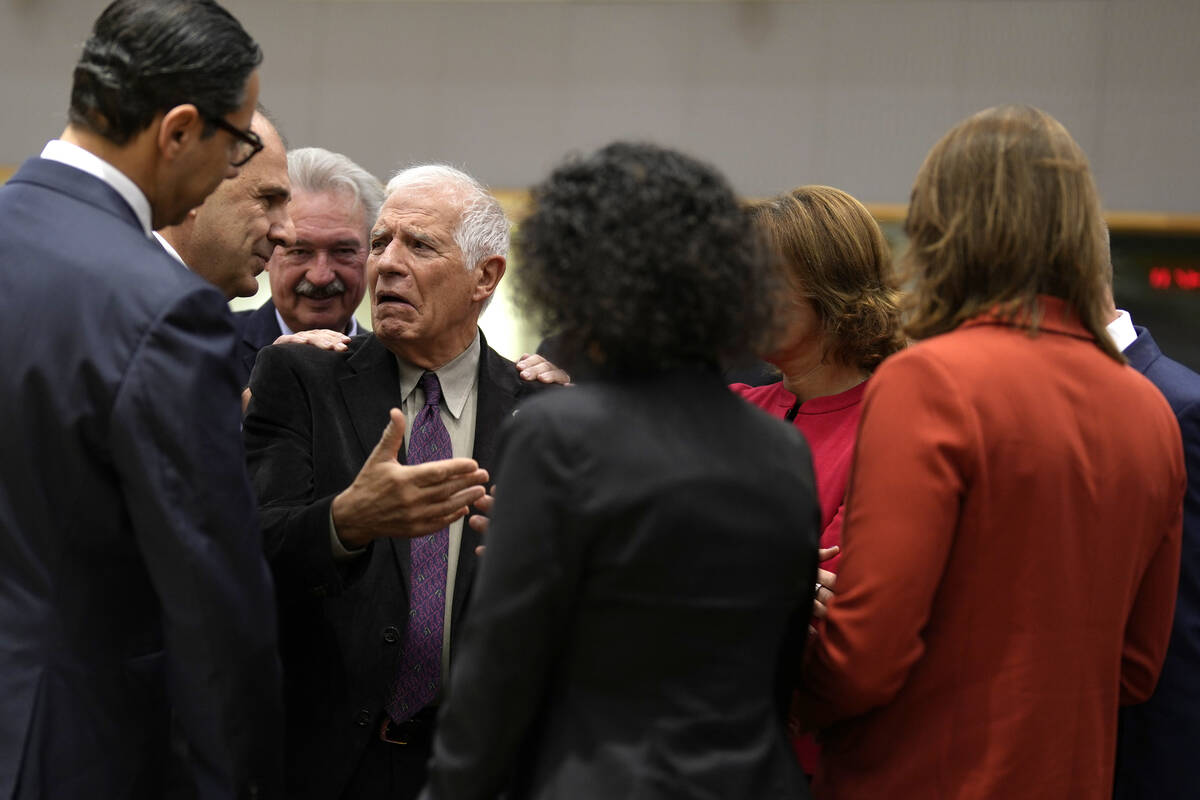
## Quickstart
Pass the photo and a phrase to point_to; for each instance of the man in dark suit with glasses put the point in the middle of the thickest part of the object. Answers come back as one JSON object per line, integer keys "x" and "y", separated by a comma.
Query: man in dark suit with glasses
{"x": 135, "y": 605}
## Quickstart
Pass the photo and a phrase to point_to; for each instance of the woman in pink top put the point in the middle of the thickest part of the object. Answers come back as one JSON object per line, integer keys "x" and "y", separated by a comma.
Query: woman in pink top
{"x": 843, "y": 319}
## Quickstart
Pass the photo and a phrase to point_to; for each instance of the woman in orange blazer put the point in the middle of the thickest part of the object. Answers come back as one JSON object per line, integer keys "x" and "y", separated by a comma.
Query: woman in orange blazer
{"x": 1013, "y": 522}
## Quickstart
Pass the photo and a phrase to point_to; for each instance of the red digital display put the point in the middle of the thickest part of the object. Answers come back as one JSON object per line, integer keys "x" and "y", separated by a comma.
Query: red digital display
{"x": 1174, "y": 278}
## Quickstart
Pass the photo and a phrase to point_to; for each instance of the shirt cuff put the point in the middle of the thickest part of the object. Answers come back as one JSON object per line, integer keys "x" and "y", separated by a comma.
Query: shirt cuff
{"x": 340, "y": 553}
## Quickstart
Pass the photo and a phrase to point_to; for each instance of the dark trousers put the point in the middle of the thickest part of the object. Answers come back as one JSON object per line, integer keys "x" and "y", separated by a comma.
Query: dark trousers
{"x": 395, "y": 771}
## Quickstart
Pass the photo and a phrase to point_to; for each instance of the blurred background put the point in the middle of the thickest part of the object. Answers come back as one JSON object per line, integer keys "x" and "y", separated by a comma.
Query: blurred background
{"x": 776, "y": 94}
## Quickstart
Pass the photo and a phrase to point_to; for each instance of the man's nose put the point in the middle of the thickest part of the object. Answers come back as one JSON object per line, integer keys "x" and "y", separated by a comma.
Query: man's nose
{"x": 391, "y": 260}
{"x": 282, "y": 231}
{"x": 320, "y": 271}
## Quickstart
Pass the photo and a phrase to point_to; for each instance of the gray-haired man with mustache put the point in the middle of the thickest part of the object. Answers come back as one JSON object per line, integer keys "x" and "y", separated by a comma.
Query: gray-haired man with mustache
{"x": 317, "y": 279}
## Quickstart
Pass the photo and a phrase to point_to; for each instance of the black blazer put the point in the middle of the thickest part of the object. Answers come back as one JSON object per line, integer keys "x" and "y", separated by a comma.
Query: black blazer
{"x": 132, "y": 582}
{"x": 642, "y": 604}
{"x": 1157, "y": 740}
{"x": 314, "y": 417}
{"x": 255, "y": 330}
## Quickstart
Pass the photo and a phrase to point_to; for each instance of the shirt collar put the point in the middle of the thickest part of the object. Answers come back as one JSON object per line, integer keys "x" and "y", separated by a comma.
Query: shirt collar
{"x": 1121, "y": 331}
{"x": 456, "y": 376}
{"x": 286, "y": 331}
{"x": 167, "y": 246}
{"x": 75, "y": 156}
{"x": 833, "y": 402}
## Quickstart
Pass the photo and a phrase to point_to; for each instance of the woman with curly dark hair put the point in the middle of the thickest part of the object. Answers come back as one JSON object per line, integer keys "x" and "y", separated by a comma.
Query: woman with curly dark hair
{"x": 843, "y": 319}
{"x": 651, "y": 555}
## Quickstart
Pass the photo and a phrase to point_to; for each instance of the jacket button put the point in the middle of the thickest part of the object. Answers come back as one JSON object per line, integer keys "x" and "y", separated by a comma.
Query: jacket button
{"x": 391, "y": 635}
{"x": 363, "y": 718}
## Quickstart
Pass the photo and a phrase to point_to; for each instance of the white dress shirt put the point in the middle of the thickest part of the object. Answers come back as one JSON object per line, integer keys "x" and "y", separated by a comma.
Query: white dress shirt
{"x": 286, "y": 331}
{"x": 1121, "y": 331}
{"x": 75, "y": 156}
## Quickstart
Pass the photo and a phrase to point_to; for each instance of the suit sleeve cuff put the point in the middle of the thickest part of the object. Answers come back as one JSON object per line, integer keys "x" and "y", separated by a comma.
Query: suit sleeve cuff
{"x": 340, "y": 551}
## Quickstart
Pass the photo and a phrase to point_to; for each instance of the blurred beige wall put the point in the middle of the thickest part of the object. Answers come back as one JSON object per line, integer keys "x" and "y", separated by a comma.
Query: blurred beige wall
{"x": 845, "y": 92}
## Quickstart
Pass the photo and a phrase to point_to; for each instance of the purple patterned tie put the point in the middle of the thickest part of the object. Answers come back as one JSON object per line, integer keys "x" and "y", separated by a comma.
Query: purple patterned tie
{"x": 420, "y": 674}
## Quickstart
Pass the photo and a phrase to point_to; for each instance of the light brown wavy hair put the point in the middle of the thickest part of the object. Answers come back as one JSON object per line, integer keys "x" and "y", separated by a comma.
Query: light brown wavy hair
{"x": 832, "y": 253}
{"x": 1005, "y": 209}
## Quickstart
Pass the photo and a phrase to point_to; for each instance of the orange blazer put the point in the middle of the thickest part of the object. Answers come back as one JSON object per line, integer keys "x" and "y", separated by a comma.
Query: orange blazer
{"x": 1011, "y": 552}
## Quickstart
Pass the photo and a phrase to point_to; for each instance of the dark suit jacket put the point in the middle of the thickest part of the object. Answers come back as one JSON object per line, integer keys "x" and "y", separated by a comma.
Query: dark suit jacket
{"x": 255, "y": 330}
{"x": 1157, "y": 753}
{"x": 315, "y": 417}
{"x": 652, "y": 547}
{"x": 132, "y": 583}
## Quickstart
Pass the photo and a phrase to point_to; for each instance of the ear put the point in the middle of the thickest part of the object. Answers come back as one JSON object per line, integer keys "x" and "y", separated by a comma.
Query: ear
{"x": 487, "y": 277}
{"x": 180, "y": 126}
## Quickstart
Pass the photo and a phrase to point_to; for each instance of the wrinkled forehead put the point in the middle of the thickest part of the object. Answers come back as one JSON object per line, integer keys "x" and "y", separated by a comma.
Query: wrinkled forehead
{"x": 425, "y": 204}
{"x": 328, "y": 208}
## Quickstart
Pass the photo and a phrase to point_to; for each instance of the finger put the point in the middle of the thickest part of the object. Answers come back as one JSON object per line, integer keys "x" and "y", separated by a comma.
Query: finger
{"x": 328, "y": 340}
{"x": 479, "y": 523}
{"x": 479, "y": 550}
{"x": 332, "y": 334}
{"x": 484, "y": 504}
{"x": 827, "y": 579}
{"x": 390, "y": 440}
{"x": 433, "y": 474}
{"x": 443, "y": 511}
{"x": 555, "y": 376}
{"x": 826, "y": 553}
{"x": 442, "y": 515}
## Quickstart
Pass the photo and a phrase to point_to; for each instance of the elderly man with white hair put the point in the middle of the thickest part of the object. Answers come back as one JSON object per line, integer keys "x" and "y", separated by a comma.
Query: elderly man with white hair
{"x": 317, "y": 279}
{"x": 365, "y": 462}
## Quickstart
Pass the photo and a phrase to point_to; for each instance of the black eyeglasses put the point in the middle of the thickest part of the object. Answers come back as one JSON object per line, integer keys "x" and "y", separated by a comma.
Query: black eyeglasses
{"x": 249, "y": 143}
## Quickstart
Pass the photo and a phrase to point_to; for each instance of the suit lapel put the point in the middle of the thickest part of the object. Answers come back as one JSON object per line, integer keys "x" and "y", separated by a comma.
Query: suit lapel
{"x": 499, "y": 387}
{"x": 261, "y": 330}
{"x": 370, "y": 391}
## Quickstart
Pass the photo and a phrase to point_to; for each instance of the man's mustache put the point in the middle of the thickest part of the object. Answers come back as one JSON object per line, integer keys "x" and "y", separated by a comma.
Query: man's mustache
{"x": 307, "y": 288}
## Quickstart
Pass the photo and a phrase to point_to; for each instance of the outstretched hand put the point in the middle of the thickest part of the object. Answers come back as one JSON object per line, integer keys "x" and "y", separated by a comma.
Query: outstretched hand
{"x": 390, "y": 499}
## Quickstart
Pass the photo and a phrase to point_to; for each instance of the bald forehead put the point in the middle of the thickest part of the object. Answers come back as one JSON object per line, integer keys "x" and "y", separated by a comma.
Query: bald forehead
{"x": 442, "y": 199}
{"x": 444, "y": 193}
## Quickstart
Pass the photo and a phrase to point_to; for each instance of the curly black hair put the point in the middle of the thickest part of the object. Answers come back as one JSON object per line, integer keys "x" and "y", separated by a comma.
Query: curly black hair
{"x": 641, "y": 259}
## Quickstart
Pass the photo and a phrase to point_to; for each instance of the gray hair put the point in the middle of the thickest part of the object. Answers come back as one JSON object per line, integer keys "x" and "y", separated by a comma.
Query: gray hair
{"x": 482, "y": 229}
{"x": 315, "y": 169}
